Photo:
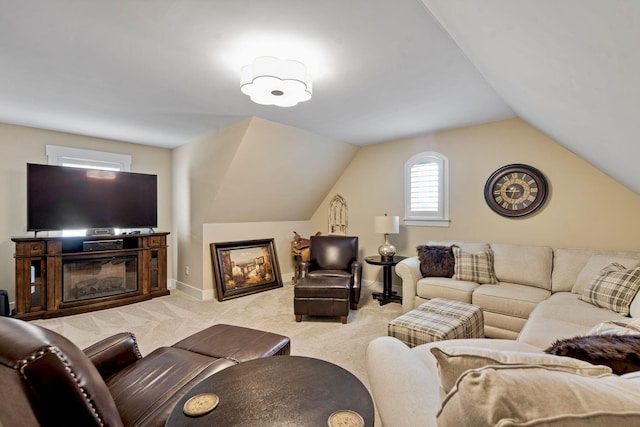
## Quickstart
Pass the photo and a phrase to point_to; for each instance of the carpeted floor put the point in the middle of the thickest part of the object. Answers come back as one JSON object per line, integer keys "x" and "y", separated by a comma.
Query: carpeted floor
{"x": 166, "y": 320}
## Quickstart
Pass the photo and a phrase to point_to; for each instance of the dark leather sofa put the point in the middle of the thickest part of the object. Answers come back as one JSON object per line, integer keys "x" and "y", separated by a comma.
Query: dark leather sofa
{"x": 47, "y": 380}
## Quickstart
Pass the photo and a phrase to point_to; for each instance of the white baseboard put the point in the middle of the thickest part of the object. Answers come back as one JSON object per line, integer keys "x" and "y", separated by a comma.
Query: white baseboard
{"x": 201, "y": 294}
{"x": 208, "y": 294}
{"x": 288, "y": 277}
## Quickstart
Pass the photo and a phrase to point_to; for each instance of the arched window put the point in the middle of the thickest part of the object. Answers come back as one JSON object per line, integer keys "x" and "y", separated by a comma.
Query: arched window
{"x": 426, "y": 189}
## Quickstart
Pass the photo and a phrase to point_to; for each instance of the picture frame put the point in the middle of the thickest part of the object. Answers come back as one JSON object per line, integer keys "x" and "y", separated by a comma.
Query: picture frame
{"x": 245, "y": 267}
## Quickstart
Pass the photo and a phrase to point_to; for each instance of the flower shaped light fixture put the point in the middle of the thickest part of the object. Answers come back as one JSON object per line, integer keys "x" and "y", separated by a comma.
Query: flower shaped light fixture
{"x": 274, "y": 81}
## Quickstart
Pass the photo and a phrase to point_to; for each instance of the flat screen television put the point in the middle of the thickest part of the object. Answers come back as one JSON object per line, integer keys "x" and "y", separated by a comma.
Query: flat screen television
{"x": 60, "y": 198}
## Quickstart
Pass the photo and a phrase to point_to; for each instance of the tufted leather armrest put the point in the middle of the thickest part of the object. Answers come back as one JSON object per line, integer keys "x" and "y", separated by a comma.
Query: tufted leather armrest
{"x": 114, "y": 353}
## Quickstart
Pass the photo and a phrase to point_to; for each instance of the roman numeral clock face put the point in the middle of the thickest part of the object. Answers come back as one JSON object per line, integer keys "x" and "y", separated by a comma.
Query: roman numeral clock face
{"x": 515, "y": 190}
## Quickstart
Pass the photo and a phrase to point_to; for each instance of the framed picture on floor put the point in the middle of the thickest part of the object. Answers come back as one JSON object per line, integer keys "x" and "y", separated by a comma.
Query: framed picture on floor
{"x": 245, "y": 267}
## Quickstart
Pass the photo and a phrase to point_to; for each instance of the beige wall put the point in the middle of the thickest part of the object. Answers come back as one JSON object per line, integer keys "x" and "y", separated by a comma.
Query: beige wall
{"x": 254, "y": 171}
{"x": 21, "y": 145}
{"x": 198, "y": 171}
{"x": 295, "y": 174}
{"x": 585, "y": 208}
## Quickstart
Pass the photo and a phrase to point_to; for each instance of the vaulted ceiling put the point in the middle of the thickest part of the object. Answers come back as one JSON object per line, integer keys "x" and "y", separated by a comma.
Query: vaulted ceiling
{"x": 166, "y": 72}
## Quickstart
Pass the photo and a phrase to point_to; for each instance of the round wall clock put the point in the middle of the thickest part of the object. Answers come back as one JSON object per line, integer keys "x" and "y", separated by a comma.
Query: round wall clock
{"x": 515, "y": 190}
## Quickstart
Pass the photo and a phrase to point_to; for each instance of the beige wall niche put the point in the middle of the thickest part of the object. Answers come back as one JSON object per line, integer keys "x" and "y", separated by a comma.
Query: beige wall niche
{"x": 254, "y": 171}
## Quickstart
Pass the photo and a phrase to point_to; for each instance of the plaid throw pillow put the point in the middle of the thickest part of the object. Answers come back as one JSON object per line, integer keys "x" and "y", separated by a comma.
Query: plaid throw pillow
{"x": 476, "y": 267}
{"x": 613, "y": 288}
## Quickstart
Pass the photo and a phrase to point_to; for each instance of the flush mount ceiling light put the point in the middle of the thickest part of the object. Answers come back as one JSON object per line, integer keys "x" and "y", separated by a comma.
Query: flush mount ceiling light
{"x": 273, "y": 81}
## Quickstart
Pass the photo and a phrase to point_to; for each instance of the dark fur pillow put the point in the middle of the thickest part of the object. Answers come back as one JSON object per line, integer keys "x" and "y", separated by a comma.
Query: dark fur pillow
{"x": 620, "y": 352}
{"x": 436, "y": 261}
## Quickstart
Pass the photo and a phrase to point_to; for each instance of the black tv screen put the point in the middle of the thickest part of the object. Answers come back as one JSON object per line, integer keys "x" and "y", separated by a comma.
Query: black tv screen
{"x": 60, "y": 198}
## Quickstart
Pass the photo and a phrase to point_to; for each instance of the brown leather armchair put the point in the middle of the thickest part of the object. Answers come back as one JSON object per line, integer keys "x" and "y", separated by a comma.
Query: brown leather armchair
{"x": 335, "y": 256}
{"x": 46, "y": 380}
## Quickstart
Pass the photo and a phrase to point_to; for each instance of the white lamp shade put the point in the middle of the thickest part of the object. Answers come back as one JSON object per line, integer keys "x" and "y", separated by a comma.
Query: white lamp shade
{"x": 386, "y": 224}
{"x": 273, "y": 81}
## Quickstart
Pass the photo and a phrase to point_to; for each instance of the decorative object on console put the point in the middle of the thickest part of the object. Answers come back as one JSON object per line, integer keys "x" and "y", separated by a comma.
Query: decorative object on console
{"x": 619, "y": 352}
{"x": 436, "y": 261}
{"x": 386, "y": 225}
{"x": 515, "y": 190}
{"x": 274, "y": 81}
{"x": 245, "y": 267}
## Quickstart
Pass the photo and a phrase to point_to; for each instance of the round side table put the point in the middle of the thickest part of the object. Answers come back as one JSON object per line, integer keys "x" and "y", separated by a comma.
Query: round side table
{"x": 387, "y": 295}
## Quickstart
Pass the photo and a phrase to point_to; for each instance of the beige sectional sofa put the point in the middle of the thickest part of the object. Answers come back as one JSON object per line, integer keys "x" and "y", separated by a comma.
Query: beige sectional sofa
{"x": 536, "y": 283}
{"x": 535, "y": 302}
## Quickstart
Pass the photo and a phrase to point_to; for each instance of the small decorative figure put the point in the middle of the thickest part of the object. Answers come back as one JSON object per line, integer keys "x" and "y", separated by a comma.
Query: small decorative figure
{"x": 300, "y": 251}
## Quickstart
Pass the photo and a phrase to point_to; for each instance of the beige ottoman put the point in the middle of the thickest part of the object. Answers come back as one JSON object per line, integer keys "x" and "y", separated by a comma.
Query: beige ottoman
{"x": 436, "y": 320}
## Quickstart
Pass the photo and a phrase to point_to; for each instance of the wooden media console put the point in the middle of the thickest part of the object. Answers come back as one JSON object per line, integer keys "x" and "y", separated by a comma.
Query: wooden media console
{"x": 59, "y": 276}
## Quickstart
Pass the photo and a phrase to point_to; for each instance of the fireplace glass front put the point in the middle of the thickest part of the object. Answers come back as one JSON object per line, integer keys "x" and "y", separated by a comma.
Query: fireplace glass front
{"x": 91, "y": 278}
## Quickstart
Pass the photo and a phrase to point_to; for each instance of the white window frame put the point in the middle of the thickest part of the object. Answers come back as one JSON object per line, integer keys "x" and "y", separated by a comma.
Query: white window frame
{"x": 440, "y": 217}
{"x": 88, "y": 159}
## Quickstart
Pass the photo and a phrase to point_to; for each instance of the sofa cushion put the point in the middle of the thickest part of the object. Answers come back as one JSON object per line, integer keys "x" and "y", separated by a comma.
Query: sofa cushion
{"x": 424, "y": 351}
{"x": 465, "y": 246}
{"x": 619, "y": 352}
{"x": 474, "y": 267}
{"x": 509, "y": 298}
{"x": 567, "y": 264}
{"x": 634, "y": 308}
{"x": 452, "y": 362}
{"x": 534, "y": 395}
{"x": 436, "y": 261}
{"x": 616, "y": 327}
{"x": 613, "y": 288}
{"x": 526, "y": 265}
{"x": 563, "y": 315}
{"x": 593, "y": 267}
{"x": 435, "y": 287}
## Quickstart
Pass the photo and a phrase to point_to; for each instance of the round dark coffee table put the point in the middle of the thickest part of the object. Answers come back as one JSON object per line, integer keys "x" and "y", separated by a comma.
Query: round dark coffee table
{"x": 278, "y": 391}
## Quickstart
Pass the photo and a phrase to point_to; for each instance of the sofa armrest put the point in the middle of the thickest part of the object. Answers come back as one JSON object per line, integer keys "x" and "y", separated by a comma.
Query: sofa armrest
{"x": 405, "y": 391}
{"x": 409, "y": 271}
{"x": 114, "y": 353}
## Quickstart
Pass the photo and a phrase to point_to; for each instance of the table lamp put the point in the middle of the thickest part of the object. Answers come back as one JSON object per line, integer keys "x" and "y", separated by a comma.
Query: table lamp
{"x": 386, "y": 225}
